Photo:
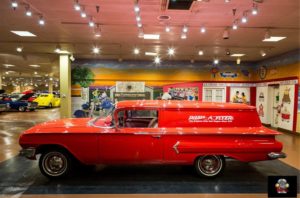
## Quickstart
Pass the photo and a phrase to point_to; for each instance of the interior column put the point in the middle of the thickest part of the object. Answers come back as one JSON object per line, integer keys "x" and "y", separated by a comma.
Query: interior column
{"x": 0, "y": 80}
{"x": 50, "y": 86}
{"x": 65, "y": 85}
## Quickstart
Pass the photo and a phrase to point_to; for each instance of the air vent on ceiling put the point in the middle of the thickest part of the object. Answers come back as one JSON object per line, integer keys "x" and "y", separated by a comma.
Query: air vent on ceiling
{"x": 180, "y": 4}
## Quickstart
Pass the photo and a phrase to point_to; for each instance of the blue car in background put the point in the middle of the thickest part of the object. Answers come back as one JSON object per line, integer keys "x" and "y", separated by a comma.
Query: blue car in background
{"x": 20, "y": 104}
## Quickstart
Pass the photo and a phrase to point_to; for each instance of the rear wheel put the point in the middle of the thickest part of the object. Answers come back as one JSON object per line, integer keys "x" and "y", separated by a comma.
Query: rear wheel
{"x": 50, "y": 105}
{"x": 209, "y": 165}
{"x": 55, "y": 163}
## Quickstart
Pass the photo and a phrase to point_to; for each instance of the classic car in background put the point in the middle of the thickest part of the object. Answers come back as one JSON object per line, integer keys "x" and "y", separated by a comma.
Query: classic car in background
{"x": 154, "y": 132}
{"x": 20, "y": 104}
{"x": 48, "y": 100}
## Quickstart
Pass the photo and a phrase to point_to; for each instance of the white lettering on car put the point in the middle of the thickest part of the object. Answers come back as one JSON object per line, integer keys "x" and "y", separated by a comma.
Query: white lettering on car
{"x": 202, "y": 118}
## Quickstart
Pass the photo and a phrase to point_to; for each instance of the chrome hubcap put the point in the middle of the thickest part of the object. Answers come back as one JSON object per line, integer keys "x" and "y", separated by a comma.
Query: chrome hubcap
{"x": 55, "y": 163}
{"x": 210, "y": 164}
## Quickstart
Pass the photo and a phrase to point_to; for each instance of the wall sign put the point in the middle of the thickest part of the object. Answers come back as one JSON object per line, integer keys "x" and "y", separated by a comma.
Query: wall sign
{"x": 262, "y": 71}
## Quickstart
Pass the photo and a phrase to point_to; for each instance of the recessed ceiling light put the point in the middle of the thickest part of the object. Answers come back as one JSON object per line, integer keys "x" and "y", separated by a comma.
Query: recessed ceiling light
{"x": 237, "y": 55}
{"x": 34, "y": 66}
{"x": 23, "y": 33}
{"x": 150, "y": 53}
{"x": 35, "y": 73}
{"x": 200, "y": 53}
{"x": 151, "y": 36}
{"x": 274, "y": 39}
{"x": 167, "y": 29}
{"x": 8, "y": 65}
{"x": 185, "y": 29}
{"x": 216, "y": 61}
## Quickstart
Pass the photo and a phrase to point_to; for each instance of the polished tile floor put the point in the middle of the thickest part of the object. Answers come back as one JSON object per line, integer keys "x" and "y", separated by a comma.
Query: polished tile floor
{"x": 13, "y": 123}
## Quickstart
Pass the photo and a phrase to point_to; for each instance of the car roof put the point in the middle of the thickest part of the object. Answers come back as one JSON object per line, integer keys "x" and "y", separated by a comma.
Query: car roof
{"x": 179, "y": 104}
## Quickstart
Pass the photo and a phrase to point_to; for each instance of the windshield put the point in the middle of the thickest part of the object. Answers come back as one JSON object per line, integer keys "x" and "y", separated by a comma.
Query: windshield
{"x": 105, "y": 119}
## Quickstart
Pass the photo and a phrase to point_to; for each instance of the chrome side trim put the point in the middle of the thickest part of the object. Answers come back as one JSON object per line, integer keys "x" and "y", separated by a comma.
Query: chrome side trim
{"x": 175, "y": 147}
{"x": 28, "y": 152}
{"x": 276, "y": 155}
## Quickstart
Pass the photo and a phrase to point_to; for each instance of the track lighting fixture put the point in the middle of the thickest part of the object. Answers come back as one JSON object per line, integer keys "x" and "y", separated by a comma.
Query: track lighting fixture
{"x": 200, "y": 53}
{"x": 19, "y": 49}
{"x": 167, "y": 29}
{"x": 254, "y": 9}
{"x": 91, "y": 22}
{"x": 96, "y": 50}
{"x": 76, "y": 5}
{"x": 202, "y": 30}
{"x": 41, "y": 20}
{"x": 83, "y": 13}
{"x": 171, "y": 51}
{"x": 183, "y": 36}
{"x": 216, "y": 61}
{"x": 156, "y": 60}
{"x": 244, "y": 18}
{"x": 136, "y": 51}
{"x": 238, "y": 61}
{"x": 14, "y": 4}
{"x": 267, "y": 34}
{"x": 136, "y": 8}
{"x": 28, "y": 11}
{"x": 185, "y": 29}
{"x": 57, "y": 49}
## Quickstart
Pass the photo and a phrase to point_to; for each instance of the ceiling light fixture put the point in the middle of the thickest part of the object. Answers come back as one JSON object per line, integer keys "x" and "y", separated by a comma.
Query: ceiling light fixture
{"x": 254, "y": 9}
{"x": 96, "y": 50}
{"x": 235, "y": 25}
{"x": 216, "y": 61}
{"x": 267, "y": 34}
{"x": 136, "y": 8}
{"x": 263, "y": 53}
{"x": 139, "y": 24}
{"x": 19, "y": 49}
{"x": 35, "y": 73}
{"x": 238, "y": 61}
{"x": 244, "y": 18}
{"x": 14, "y": 4}
{"x": 76, "y": 5}
{"x": 151, "y": 36}
{"x": 171, "y": 51}
{"x": 156, "y": 60}
{"x": 226, "y": 34}
{"x": 8, "y": 65}
{"x": 72, "y": 58}
{"x": 200, "y": 53}
{"x": 28, "y": 11}
{"x": 34, "y": 66}
{"x": 41, "y": 20}
{"x": 227, "y": 1}
{"x": 138, "y": 18}
{"x": 150, "y": 53}
{"x": 23, "y": 33}
{"x": 227, "y": 52}
{"x": 83, "y": 14}
{"x": 185, "y": 29}
{"x": 237, "y": 55}
{"x": 274, "y": 39}
{"x": 167, "y": 29}
{"x": 136, "y": 51}
{"x": 97, "y": 31}
{"x": 183, "y": 36}
{"x": 202, "y": 30}
{"x": 91, "y": 22}
{"x": 57, "y": 49}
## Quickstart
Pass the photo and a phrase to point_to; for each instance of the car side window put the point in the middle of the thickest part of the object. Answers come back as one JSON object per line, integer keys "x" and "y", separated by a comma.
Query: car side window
{"x": 138, "y": 119}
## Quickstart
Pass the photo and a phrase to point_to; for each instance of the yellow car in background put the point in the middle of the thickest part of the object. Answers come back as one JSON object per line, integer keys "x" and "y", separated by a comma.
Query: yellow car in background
{"x": 48, "y": 100}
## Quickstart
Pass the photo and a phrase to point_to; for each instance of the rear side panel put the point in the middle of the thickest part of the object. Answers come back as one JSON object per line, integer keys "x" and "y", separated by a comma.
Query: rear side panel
{"x": 186, "y": 148}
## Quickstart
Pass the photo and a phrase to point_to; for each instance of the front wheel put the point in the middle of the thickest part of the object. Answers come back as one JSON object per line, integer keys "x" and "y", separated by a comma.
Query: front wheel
{"x": 55, "y": 163}
{"x": 210, "y": 165}
{"x": 22, "y": 108}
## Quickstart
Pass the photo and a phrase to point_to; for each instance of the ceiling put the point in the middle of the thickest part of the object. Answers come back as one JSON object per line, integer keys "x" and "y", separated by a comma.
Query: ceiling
{"x": 119, "y": 31}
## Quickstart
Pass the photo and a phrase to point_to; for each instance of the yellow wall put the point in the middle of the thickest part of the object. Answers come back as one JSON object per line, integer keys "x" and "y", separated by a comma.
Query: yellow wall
{"x": 283, "y": 71}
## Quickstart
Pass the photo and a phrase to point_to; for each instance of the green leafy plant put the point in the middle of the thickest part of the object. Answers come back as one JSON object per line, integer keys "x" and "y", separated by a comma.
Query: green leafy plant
{"x": 82, "y": 76}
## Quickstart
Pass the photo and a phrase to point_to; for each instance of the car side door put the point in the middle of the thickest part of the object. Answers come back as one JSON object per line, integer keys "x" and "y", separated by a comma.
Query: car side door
{"x": 131, "y": 143}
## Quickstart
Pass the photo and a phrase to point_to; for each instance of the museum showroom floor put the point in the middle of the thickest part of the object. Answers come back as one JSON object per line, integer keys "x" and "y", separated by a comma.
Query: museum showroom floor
{"x": 21, "y": 177}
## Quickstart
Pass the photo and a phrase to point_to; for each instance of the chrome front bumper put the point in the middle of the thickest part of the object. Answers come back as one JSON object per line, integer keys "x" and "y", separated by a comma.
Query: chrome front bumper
{"x": 28, "y": 153}
{"x": 276, "y": 155}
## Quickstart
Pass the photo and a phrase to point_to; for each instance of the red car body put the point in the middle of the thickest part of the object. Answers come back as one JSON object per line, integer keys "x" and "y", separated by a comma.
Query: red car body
{"x": 182, "y": 131}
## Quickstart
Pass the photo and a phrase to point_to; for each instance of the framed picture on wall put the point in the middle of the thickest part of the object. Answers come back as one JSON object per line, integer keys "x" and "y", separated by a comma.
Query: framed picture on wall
{"x": 240, "y": 95}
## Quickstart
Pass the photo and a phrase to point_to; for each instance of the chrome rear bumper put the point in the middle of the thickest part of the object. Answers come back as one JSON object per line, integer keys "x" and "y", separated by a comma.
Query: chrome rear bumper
{"x": 276, "y": 155}
{"x": 28, "y": 153}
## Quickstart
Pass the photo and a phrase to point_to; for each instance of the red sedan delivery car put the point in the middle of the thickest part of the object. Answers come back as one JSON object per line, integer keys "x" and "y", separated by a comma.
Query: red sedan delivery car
{"x": 154, "y": 132}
